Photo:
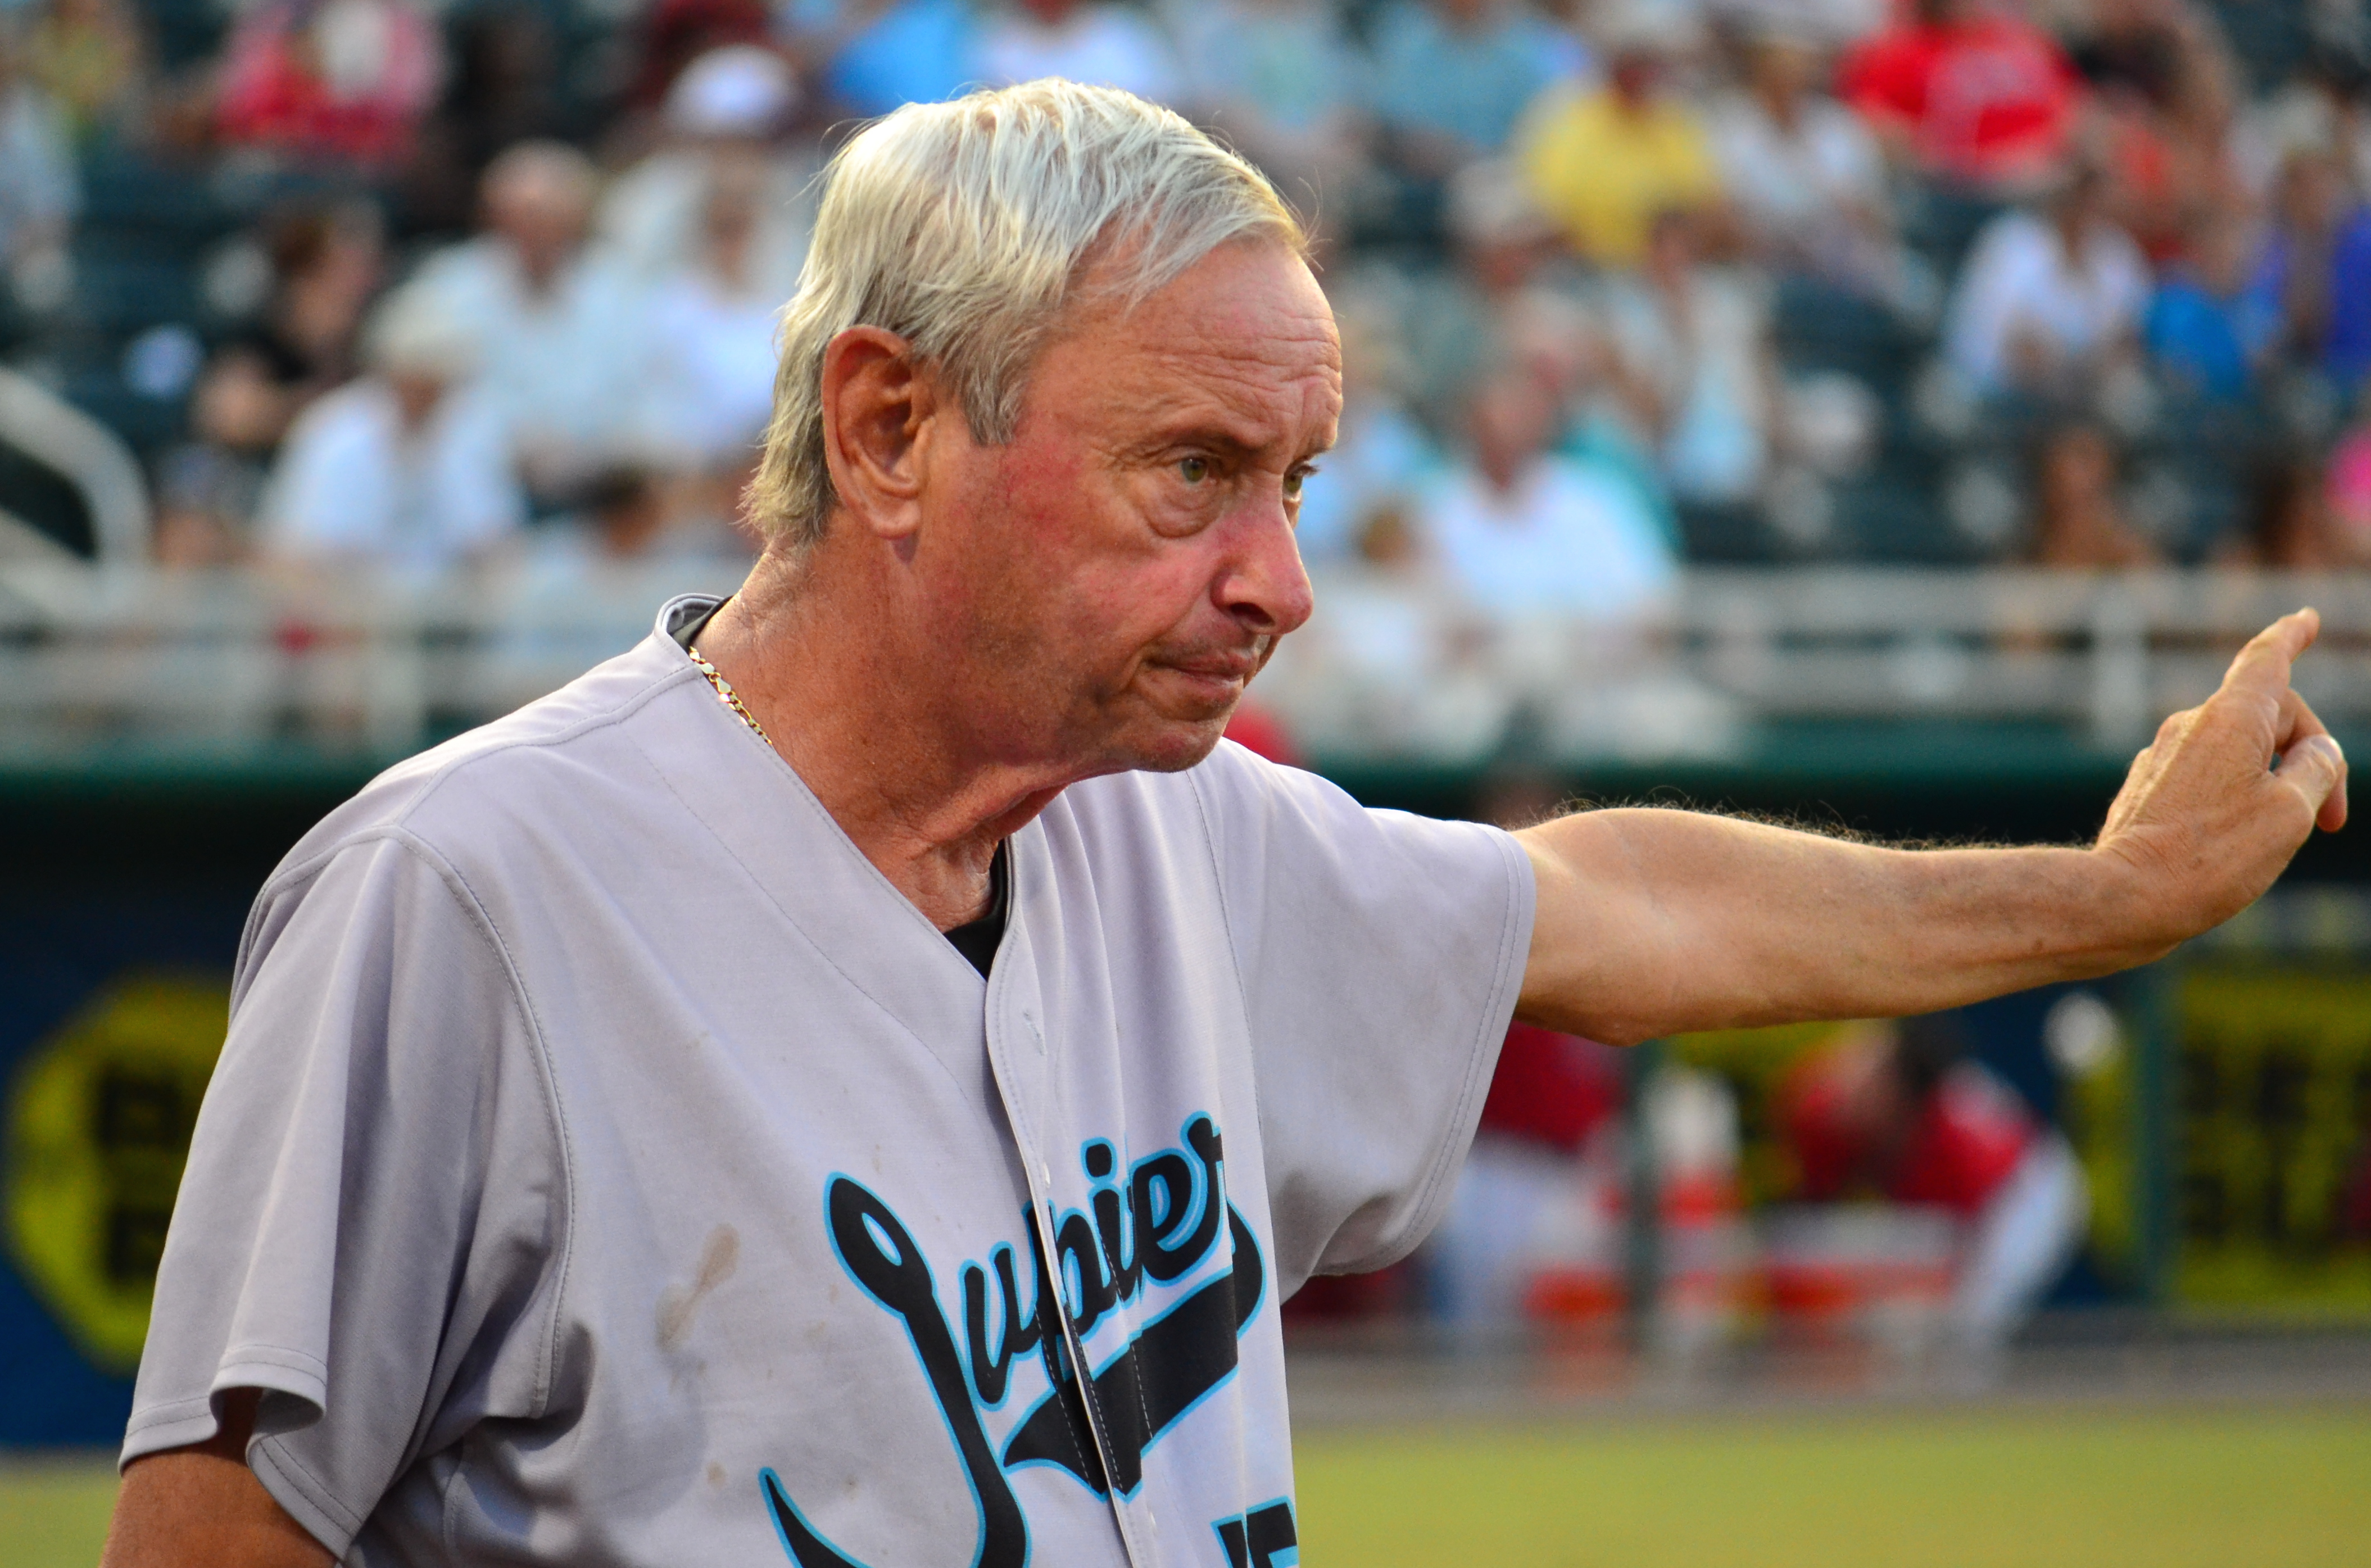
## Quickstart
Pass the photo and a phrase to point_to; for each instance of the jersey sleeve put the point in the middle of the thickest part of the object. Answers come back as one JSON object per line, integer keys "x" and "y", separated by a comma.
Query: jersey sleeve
{"x": 369, "y": 1220}
{"x": 1381, "y": 955}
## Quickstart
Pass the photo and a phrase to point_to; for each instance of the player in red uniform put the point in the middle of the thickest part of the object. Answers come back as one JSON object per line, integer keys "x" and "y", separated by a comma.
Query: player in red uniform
{"x": 1900, "y": 1112}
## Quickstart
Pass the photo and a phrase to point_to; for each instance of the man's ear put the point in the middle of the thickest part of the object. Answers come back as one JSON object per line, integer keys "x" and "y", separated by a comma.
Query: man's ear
{"x": 879, "y": 407}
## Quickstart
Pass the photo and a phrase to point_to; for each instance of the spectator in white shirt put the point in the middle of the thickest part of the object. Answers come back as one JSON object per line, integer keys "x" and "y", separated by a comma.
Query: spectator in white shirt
{"x": 1381, "y": 455}
{"x": 1805, "y": 177}
{"x": 1286, "y": 84}
{"x": 560, "y": 323}
{"x": 1101, "y": 45}
{"x": 1694, "y": 344}
{"x": 730, "y": 109}
{"x": 1521, "y": 530}
{"x": 708, "y": 380}
{"x": 407, "y": 465}
{"x": 39, "y": 190}
{"x": 2049, "y": 302}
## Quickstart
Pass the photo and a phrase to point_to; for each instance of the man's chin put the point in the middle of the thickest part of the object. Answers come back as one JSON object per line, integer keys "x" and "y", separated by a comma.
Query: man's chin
{"x": 1172, "y": 745}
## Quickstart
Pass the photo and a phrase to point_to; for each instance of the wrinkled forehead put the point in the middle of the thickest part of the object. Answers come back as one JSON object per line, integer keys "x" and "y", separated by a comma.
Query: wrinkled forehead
{"x": 1245, "y": 335}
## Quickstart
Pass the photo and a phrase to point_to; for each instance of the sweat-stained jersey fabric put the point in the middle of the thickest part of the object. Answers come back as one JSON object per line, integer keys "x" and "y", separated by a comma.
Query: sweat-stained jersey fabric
{"x": 607, "y": 1166}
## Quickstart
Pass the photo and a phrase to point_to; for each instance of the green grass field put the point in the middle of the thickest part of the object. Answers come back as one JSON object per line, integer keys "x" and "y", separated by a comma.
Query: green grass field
{"x": 53, "y": 1512}
{"x": 2017, "y": 1488}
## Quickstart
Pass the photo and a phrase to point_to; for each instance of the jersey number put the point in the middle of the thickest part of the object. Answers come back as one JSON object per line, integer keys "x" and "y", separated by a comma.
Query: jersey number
{"x": 1261, "y": 1539}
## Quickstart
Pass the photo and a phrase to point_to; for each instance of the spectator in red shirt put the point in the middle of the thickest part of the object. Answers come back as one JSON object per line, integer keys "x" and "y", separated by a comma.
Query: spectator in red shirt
{"x": 1900, "y": 1113}
{"x": 339, "y": 81}
{"x": 1967, "y": 92}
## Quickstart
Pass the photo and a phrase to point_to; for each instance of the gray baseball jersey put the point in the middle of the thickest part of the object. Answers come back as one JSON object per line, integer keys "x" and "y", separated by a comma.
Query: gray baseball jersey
{"x": 607, "y": 1166}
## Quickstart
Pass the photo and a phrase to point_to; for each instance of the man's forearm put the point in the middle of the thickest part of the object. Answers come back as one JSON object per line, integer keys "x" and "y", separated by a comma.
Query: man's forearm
{"x": 1653, "y": 922}
{"x": 202, "y": 1507}
{"x": 1689, "y": 922}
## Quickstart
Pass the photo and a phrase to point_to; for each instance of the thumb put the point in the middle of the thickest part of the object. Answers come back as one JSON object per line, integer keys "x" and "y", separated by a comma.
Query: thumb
{"x": 2316, "y": 769}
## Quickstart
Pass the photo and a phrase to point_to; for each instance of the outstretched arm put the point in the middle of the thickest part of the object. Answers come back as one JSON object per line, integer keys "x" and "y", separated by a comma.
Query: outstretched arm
{"x": 1655, "y": 921}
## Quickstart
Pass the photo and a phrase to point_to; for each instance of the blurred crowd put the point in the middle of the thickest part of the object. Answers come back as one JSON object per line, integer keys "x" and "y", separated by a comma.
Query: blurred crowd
{"x": 1624, "y": 284}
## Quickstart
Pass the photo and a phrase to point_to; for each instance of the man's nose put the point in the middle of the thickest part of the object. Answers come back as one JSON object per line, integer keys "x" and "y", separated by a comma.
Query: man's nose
{"x": 1265, "y": 587}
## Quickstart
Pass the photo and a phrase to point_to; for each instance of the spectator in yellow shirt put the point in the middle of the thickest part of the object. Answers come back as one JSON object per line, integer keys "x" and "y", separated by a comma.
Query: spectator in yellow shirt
{"x": 1603, "y": 164}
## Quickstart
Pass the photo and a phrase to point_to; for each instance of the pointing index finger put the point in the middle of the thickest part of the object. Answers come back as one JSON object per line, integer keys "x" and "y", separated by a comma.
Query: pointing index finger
{"x": 2262, "y": 666}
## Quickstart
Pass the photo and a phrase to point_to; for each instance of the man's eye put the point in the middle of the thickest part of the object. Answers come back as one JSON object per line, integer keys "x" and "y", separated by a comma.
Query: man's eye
{"x": 1193, "y": 471}
{"x": 1294, "y": 480}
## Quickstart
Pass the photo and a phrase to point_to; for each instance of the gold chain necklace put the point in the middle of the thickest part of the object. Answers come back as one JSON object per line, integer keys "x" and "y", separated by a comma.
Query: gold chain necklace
{"x": 729, "y": 697}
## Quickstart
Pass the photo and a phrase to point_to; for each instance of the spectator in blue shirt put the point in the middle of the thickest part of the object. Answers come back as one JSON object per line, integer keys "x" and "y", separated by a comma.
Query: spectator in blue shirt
{"x": 880, "y": 54}
{"x": 2206, "y": 329}
{"x": 2315, "y": 270}
{"x": 1453, "y": 77}
{"x": 2346, "y": 351}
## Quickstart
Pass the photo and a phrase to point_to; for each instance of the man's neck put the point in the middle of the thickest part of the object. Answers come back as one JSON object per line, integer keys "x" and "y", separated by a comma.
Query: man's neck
{"x": 907, "y": 786}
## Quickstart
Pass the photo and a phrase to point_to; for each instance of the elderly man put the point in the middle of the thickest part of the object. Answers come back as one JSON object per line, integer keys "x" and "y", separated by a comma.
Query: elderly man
{"x": 559, "y": 318}
{"x": 853, "y": 1077}
{"x": 408, "y": 466}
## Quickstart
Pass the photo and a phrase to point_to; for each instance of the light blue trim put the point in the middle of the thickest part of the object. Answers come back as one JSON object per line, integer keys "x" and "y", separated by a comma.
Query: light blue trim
{"x": 784, "y": 1536}
{"x": 1205, "y": 1191}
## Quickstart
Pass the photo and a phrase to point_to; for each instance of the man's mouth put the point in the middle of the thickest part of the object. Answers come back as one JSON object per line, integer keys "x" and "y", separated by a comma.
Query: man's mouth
{"x": 1221, "y": 663}
{"x": 1214, "y": 668}
{"x": 1222, "y": 672}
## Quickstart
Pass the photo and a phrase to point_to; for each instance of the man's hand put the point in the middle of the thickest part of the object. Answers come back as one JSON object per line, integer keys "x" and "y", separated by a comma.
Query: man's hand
{"x": 2205, "y": 820}
{"x": 202, "y": 1507}
{"x": 1651, "y": 922}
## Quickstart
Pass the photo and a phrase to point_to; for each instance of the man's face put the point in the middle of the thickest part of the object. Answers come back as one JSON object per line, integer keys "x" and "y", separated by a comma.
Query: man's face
{"x": 1107, "y": 582}
{"x": 1636, "y": 74}
{"x": 2308, "y": 194}
{"x": 1782, "y": 70}
{"x": 1513, "y": 421}
{"x": 417, "y": 393}
{"x": 544, "y": 222}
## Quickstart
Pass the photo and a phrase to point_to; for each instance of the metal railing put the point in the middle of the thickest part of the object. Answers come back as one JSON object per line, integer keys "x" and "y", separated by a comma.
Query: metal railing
{"x": 1388, "y": 670}
{"x": 90, "y": 459}
{"x": 2104, "y": 657}
{"x": 2109, "y": 653}
{"x": 368, "y": 661}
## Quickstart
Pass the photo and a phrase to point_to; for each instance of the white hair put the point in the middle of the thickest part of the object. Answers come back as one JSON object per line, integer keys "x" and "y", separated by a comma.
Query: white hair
{"x": 410, "y": 333}
{"x": 966, "y": 227}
